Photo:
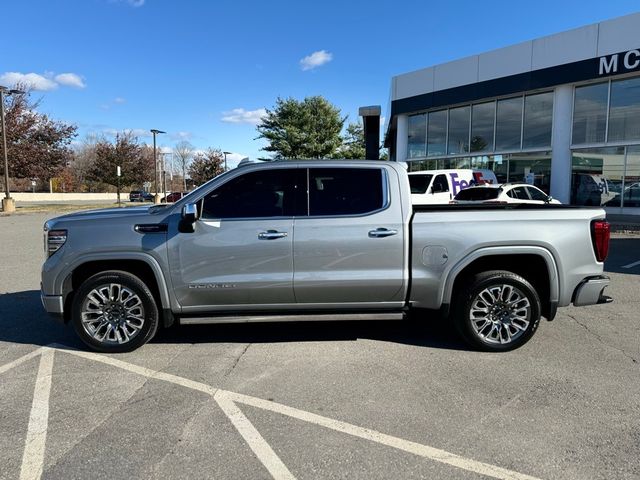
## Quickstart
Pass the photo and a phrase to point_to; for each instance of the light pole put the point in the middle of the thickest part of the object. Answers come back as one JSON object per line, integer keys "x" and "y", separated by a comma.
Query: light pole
{"x": 156, "y": 198}
{"x": 8, "y": 205}
{"x": 225, "y": 159}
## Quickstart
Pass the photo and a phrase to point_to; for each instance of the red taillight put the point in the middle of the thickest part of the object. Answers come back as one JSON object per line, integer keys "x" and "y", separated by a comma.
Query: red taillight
{"x": 600, "y": 233}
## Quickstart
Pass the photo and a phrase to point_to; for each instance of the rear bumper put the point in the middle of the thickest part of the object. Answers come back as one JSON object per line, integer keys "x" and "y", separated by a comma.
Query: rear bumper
{"x": 590, "y": 291}
{"x": 54, "y": 305}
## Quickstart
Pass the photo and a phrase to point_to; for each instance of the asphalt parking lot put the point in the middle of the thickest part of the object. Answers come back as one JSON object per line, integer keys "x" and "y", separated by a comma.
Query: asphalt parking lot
{"x": 324, "y": 400}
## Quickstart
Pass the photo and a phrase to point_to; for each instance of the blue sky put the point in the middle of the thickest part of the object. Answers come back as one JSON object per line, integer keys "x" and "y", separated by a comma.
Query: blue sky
{"x": 204, "y": 70}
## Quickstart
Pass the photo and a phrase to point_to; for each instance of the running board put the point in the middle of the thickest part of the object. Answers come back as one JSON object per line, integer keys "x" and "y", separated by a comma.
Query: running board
{"x": 315, "y": 317}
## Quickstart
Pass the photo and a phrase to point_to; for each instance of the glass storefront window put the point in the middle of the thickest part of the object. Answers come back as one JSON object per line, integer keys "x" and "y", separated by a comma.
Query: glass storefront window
{"x": 437, "y": 133}
{"x": 508, "y": 124}
{"x": 482, "y": 119}
{"x": 590, "y": 113}
{"x": 538, "y": 114}
{"x": 624, "y": 110}
{"x": 631, "y": 191}
{"x": 417, "y": 136}
{"x": 596, "y": 176}
{"x": 459, "y": 129}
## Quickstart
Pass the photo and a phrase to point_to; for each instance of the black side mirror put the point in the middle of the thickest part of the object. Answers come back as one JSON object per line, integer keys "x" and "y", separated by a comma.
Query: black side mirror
{"x": 189, "y": 218}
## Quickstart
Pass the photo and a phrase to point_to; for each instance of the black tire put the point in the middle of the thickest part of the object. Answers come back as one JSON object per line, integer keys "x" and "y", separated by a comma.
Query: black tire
{"x": 132, "y": 317}
{"x": 508, "y": 323}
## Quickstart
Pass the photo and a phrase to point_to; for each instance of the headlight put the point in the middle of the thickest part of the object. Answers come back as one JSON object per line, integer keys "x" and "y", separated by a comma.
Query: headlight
{"x": 54, "y": 240}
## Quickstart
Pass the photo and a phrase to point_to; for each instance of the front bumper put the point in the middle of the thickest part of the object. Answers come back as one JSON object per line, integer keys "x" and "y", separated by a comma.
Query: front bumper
{"x": 590, "y": 291}
{"x": 54, "y": 305}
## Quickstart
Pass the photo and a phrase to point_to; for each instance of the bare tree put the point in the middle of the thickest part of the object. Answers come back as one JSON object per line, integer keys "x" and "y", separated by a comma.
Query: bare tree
{"x": 183, "y": 153}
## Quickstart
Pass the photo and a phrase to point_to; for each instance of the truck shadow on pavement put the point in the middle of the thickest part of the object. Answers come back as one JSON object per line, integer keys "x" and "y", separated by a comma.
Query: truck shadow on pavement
{"x": 23, "y": 321}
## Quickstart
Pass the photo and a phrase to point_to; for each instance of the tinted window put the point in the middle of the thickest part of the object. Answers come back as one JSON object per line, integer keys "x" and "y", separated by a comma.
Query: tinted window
{"x": 520, "y": 193}
{"x": 624, "y": 115}
{"x": 420, "y": 183}
{"x": 480, "y": 193}
{"x": 482, "y": 119}
{"x": 345, "y": 191}
{"x": 417, "y": 136}
{"x": 536, "y": 194}
{"x": 437, "y": 133}
{"x": 440, "y": 184}
{"x": 459, "y": 119}
{"x": 508, "y": 124}
{"x": 538, "y": 112}
{"x": 266, "y": 193}
{"x": 590, "y": 113}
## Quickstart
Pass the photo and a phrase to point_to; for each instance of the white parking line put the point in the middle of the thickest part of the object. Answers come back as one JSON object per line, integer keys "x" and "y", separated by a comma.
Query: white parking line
{"x": 256, "y": 442}
{"x": 631, "y": 265}
{"x": 33, "y": 456}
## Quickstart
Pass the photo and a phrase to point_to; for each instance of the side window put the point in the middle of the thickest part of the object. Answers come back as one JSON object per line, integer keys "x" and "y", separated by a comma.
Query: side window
{"x": 345, "y": 191}
{"x": 512, "y": 193}
{"x": 536, "y": 194}
{"x": 520, "y": 193}
{"x": 420, "y": 183}
{"x": 440, "y": 184}
{"x": 265, "y": 193}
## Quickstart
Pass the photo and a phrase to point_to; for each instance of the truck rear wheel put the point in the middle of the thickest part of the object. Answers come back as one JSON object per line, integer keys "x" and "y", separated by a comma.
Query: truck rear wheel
{"x": 114, "y": 312}
{"x": 497, "y": 311}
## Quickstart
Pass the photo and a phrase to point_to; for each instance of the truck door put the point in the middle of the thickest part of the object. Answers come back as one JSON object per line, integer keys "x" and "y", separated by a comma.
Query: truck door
{"x": 350, "y": 248}
{"x": 242, "y": 249}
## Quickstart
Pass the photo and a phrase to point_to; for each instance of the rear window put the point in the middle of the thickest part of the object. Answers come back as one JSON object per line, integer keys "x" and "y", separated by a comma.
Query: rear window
{"x": 345, "y": 191}
{"x": 478, "y": 194}
{"x": 420, "y": 183}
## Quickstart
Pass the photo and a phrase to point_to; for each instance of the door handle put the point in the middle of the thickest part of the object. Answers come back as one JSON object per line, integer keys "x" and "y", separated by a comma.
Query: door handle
{"x": 382, "y": 232}
{"x": 271, "y": 235}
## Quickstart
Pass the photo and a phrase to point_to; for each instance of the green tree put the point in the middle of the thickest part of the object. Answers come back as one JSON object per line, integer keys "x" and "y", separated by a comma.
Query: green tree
{"x": 206, "y": 165}
{"x": 307, "y": 129}
{"x": 125, "y": 152}
{"x": 37, "y": 146}
{"x": 353, "y": 145}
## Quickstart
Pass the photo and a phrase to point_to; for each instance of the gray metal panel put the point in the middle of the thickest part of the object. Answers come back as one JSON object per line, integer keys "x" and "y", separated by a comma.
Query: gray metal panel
{"x": 619, "y": 34}
{"x": 414, "y": 83}
{"x": 456, "y": 73}
{"x": 505, "y": 61}
{"x": 566, "y": 47}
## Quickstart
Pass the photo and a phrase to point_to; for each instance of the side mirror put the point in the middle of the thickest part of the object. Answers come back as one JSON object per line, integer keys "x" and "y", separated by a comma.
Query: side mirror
{"x": 549, "y": 199}
{"x": 189, "y": 218}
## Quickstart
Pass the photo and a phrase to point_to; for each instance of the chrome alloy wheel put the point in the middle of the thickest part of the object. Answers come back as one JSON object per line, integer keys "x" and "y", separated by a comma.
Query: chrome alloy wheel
{"x": 112, "y": 314}
{"x": 500, "y": 314}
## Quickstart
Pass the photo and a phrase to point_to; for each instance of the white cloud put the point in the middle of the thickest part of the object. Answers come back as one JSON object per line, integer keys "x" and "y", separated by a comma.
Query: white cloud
{"x": 133, "y": 3}
{"x": 30, "y": 80}
{"x": 42, "y": 83}
{"x": 240, "y": 115}
{"x": 180, "y": 135}
{"x": 136, "y": 132}
{"x": 119, "y": 100}
{"x": 70, "y": 80}
{"x": 316, "y": 59}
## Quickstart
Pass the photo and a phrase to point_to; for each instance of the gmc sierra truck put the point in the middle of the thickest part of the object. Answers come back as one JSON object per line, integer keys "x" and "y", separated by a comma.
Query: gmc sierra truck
{"x": 320, "y": 240}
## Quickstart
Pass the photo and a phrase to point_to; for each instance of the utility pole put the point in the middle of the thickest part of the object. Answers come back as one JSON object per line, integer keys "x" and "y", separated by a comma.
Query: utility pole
{"x": 8, "y": 205}
{"x": 156, "y": 198}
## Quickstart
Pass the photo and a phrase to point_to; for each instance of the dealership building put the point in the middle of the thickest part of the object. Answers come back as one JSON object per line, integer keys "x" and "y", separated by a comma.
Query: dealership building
{"x": 562, "y": 112}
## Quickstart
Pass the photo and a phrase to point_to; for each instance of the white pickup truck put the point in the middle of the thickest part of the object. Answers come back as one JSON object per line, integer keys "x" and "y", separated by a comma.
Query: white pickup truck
{"x": 320, "y": 240}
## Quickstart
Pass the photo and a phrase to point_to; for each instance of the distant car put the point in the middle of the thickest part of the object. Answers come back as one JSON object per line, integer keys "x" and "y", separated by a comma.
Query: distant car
{"x": 140, "y": 196}
{"x": 173, "y": 197}
{"x": 505, "y": 193}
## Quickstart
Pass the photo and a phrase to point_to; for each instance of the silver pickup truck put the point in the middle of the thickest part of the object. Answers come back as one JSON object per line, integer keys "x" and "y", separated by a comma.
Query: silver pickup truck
{"x": 320, "y": 240}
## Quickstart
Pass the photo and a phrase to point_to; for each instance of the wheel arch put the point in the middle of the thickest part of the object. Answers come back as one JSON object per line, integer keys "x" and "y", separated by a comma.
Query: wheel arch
{"x": 143, "y": 266}
{"x": 536, "y": 264}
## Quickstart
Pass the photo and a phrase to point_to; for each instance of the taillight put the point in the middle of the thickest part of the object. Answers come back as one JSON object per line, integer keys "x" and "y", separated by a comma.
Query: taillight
{"x": 600, "y": 234}
{"x": 55, "y": 240}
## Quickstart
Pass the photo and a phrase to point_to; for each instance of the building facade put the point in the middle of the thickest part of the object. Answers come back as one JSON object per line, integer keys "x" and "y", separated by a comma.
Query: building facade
{"x": 562, "y": 112}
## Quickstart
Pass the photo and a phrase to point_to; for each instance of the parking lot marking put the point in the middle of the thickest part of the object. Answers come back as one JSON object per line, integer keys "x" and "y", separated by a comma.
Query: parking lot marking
{"x": 33, "y": 455}
{"x": 18, "y": 361}
{"x": 421, "y": 450}
{"x": 256, "y": 442}
{"x": 631, "y": 265}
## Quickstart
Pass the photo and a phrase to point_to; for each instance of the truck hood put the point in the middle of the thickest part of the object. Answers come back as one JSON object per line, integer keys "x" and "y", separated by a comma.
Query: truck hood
{"x": 112, "y": 213}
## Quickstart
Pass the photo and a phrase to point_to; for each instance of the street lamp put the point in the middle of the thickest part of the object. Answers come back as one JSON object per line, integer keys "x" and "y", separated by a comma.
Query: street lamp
{"x": 8, "y": 205}
{"x": 156, "y": 198}
{"x": 225, "y": 159}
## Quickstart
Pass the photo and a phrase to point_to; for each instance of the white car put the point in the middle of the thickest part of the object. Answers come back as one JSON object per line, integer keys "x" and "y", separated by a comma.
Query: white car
{"x": 504, "y": 193}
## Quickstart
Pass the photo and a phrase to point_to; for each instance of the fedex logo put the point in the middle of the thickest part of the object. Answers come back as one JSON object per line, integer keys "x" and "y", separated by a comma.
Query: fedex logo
{"x": 457, "y": 185}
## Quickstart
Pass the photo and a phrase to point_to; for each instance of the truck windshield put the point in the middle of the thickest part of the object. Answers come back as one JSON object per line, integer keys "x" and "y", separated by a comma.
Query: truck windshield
{"x": 480, "y": 193}
{"x": 420, "y": 183}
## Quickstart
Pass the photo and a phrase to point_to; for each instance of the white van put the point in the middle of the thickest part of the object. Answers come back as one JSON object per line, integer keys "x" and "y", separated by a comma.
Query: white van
{"x": 429, "y": 187}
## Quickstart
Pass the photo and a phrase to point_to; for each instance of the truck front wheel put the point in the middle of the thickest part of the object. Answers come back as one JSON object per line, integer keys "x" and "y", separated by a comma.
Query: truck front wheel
{"x": 497, "y": 311}
{"x": 114, "y": 312}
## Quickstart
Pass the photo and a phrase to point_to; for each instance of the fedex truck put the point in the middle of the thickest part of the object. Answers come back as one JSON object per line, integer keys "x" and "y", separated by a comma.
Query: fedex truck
{"x": 429, "y": 187}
